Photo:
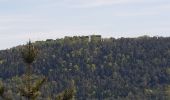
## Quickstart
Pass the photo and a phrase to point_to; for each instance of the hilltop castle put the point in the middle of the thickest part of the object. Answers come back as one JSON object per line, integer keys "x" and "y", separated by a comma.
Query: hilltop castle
{"x": 90, "y": 38}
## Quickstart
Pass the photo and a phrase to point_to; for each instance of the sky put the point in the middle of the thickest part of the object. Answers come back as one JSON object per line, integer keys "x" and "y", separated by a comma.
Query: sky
{"x": 21, "y": 20}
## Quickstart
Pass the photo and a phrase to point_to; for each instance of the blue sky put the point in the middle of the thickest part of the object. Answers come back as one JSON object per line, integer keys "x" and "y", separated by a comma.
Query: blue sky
{"x": 42, "y": 19}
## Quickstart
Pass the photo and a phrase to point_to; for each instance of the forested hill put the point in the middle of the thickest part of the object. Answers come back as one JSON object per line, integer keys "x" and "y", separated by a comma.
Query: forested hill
{"x": 103, "y": 69}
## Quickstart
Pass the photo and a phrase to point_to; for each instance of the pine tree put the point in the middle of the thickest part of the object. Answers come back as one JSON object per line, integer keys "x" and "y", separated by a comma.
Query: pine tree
{"x": 29, "y": 53}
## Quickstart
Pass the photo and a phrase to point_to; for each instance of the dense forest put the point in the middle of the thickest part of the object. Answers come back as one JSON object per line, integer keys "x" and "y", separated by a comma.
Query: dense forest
{"x": 102, "y": 68}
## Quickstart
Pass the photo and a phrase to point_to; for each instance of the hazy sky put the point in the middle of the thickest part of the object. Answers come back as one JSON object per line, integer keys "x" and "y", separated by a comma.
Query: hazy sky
{"x": 41, "y": 19}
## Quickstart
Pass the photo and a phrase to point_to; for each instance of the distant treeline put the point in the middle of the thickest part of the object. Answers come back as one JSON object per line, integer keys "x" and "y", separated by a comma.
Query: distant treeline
{"x": 103, "y": 69}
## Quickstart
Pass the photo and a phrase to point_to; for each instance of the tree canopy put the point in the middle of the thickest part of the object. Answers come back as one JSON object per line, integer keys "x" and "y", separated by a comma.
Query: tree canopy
{"x": 120, "y": 69}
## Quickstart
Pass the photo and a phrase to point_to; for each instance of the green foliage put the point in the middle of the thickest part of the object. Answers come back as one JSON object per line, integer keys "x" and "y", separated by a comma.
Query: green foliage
{"x": 67, "y": 94}
{"x": 34, "y": 90}
{"x": 1, "y": 88}
{"x": 29, "y": 53}
{"x": 2, "y": 92}
{"x": 111, "y": 69}
{"x": 30, "y": 91}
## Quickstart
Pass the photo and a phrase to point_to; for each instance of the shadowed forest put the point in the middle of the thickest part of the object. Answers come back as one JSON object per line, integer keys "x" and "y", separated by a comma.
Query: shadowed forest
{"x": 87, "y": 68}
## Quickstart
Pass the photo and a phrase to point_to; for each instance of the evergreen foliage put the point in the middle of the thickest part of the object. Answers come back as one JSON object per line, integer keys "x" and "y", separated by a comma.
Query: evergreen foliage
{"x": 29, "y": 53}
{"x": 111, "y": 69}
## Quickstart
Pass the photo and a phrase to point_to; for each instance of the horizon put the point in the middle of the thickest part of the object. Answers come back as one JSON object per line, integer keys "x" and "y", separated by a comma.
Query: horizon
{"x": 43, "y": 19}
{"x": 44, "y": 39}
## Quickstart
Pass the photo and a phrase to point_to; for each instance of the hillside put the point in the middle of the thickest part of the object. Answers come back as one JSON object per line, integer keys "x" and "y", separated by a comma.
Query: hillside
{"x": 103, "y": 69}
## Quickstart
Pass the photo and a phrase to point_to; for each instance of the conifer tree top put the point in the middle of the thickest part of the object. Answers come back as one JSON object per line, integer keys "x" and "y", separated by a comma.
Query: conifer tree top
{"x": 29, "y": 53}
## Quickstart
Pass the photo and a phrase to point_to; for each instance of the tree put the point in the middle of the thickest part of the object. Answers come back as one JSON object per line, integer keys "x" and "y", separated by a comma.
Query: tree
{"x": 67, "y": 94}
{"x": 2, "y": 92}
{"x": 1, "y": 89}
{"x": 29, "y": 53}
{"x": 29, "y": 85}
